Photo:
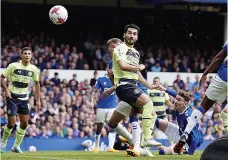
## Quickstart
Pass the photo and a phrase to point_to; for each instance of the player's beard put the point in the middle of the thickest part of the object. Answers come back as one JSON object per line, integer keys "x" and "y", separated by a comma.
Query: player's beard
{"x": 129, "y": 41}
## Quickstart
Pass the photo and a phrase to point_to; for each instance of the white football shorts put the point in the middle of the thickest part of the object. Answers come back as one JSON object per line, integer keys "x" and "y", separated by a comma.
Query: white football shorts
{"x": 217, "y": 90}
{"x": 123, "y": 108}
{"x": 104, "y": 114}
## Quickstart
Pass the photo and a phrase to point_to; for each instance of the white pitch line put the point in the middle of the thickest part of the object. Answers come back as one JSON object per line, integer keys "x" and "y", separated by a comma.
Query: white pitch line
{"x": 55, "y": 158}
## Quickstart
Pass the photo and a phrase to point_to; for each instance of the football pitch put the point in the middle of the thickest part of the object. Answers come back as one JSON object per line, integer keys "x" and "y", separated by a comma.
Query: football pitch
{"x": 82, "y": 155}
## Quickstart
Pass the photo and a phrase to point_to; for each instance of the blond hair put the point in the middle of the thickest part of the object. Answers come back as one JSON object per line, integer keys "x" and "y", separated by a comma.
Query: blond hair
{"x": 113, "y": 40}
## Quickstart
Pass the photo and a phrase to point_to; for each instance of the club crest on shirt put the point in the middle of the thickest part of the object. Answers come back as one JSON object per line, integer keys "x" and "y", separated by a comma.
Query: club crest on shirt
{"x": 30, "y": 74}
{"x": 9, "y": 111}
{"x": 105, "y": 83}
{"x": 136, "y": 91}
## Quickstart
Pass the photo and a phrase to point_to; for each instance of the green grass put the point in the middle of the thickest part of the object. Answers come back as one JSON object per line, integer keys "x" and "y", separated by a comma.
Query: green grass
{"x": 82, "y": 155}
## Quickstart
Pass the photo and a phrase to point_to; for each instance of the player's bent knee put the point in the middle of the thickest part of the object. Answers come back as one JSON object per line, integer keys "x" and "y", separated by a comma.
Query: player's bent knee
{"x": 162, "y": 124}
{"x": 142, "y": 100}
{"x": 10, "y": 125}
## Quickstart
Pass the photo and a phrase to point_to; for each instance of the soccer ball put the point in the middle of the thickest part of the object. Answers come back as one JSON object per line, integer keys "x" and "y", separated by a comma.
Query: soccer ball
{"x": 58, "y": 14}
{"x": 32, "y": 149}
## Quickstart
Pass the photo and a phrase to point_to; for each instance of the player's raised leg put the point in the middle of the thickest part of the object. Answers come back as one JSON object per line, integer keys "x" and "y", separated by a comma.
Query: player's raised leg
{"x": 125, "y": 109}
{"x": 217, "y": 91}
{"x": 143, "y": 101}
{"x": 171, "y": 131}
{"x": 119, "y": 128}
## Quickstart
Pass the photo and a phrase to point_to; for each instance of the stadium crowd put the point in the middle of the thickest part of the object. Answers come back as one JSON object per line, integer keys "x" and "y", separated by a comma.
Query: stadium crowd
{"x": 66, "y": 111}
{"x": 94, "y": 55}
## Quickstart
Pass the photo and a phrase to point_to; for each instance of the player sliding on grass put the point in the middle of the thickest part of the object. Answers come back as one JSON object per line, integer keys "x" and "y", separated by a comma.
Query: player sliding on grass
{"x": 173, "y": 131}
{"x": 20, "y": 75}
{"x": 217, "y": 91}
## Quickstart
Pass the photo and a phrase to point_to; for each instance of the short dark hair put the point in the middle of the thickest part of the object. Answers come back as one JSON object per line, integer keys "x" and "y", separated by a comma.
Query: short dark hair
{"x": 25, "y": 49}
{"x": 185, "y": 95}
{"x": 131, "y": 26}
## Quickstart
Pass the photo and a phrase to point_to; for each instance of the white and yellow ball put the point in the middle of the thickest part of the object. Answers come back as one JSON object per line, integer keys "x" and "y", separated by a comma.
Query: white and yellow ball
{"x": 58, "y": 14}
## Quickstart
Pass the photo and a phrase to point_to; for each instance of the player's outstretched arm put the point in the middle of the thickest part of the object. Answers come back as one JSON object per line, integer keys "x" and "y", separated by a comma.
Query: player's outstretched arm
{"x": 37, "y": 94}
{"x": 142, "y": 80}
{"x": 167, "y": 90}
{"x": 218, "y": 59}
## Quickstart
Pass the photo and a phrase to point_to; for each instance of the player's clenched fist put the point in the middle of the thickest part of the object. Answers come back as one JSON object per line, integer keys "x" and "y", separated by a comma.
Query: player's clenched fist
{"x": 142, "y": 67}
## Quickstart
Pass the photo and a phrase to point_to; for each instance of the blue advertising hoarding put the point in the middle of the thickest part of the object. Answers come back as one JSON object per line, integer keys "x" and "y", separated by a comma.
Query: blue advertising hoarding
{"x": 61, "y": 144}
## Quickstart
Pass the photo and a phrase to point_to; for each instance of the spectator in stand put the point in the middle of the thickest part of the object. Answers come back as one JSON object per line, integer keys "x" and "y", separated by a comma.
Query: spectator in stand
{"x": 76, "y": 131}
{"x": 48, "y": 129}
{"x": 189, "y": 84}
{"x": 156, "y": 67}
{"x": 43, "y": 134}
{"x": 179, "y": 82}
{"x": 195, "y": 67}
{"x": 80, "y": 61}
{"x": 69, "y": 133}
{"x": 184, "y": 65}
{"x": 197, "y": 95}
{"x": 98, "y": 56}
{"x": 196, "y": 83}
{"x": 74, "y": 79}
{"x": 94, "y": 79}
{"x": 208, "y": 135}
{"x": 30, "y": 133}
{"x": 58, "y": 133}
{"x": 55, "y": 80}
